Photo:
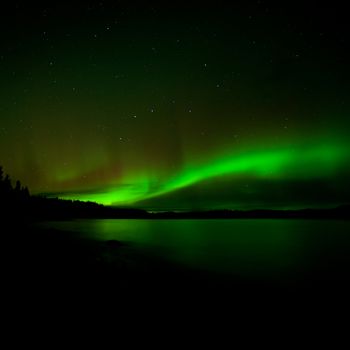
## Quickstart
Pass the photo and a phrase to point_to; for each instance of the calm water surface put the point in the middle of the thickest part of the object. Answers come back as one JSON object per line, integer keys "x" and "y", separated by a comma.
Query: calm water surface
{"x": 265, "y": 248}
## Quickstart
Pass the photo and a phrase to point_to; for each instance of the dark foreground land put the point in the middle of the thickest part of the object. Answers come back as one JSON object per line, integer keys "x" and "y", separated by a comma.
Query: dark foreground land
{"x": 49, "y": 268}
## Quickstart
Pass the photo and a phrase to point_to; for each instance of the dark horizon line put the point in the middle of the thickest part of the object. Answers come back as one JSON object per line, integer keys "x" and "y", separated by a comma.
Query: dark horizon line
{"x": 197, "y": 210}
{"x": 55, "y": 208}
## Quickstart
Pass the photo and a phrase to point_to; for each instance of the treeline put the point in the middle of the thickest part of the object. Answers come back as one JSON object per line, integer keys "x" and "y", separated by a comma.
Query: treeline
{"x": 12, "y": 198}
{"x": 16, "y": 203}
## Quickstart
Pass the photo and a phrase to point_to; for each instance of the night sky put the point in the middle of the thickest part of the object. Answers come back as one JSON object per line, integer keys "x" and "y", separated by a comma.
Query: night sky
{"x": 186, "y": 107}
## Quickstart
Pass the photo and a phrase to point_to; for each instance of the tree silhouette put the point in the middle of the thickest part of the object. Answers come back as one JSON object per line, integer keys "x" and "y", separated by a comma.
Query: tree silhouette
{"x": 25, "y": 191}
{"x": 1, "y": 182}
{"x": 18, "y": 186}
{"x": 7, "y": 185}
{"x": 14, "y": 201}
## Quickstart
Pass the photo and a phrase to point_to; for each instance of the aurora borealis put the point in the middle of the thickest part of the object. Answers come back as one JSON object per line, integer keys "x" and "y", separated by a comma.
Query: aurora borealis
{"x": 184, "y": 107}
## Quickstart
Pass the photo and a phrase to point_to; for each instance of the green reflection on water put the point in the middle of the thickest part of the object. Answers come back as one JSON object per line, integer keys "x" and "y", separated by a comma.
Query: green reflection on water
{"x": 282, "y": 249}
{"x": 239, "y": 246}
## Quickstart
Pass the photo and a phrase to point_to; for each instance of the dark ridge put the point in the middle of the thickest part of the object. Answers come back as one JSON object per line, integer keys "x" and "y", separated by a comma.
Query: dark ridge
{"x": 340, "y": 212}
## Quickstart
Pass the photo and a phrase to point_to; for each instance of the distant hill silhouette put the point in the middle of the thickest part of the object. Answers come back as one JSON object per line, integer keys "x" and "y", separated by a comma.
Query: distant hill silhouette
{"x": 17, "y": 203}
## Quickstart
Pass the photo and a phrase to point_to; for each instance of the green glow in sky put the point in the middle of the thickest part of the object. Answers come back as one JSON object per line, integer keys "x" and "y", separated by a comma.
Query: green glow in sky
{"x": 315, "y": 162}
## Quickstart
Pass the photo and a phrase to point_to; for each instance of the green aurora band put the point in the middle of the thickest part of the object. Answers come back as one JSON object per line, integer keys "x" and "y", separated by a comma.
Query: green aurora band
{"x": 322, "y": 161}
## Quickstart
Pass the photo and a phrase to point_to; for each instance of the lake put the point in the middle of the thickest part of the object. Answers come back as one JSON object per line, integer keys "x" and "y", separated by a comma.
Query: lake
{"x": 277, "y": 250}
